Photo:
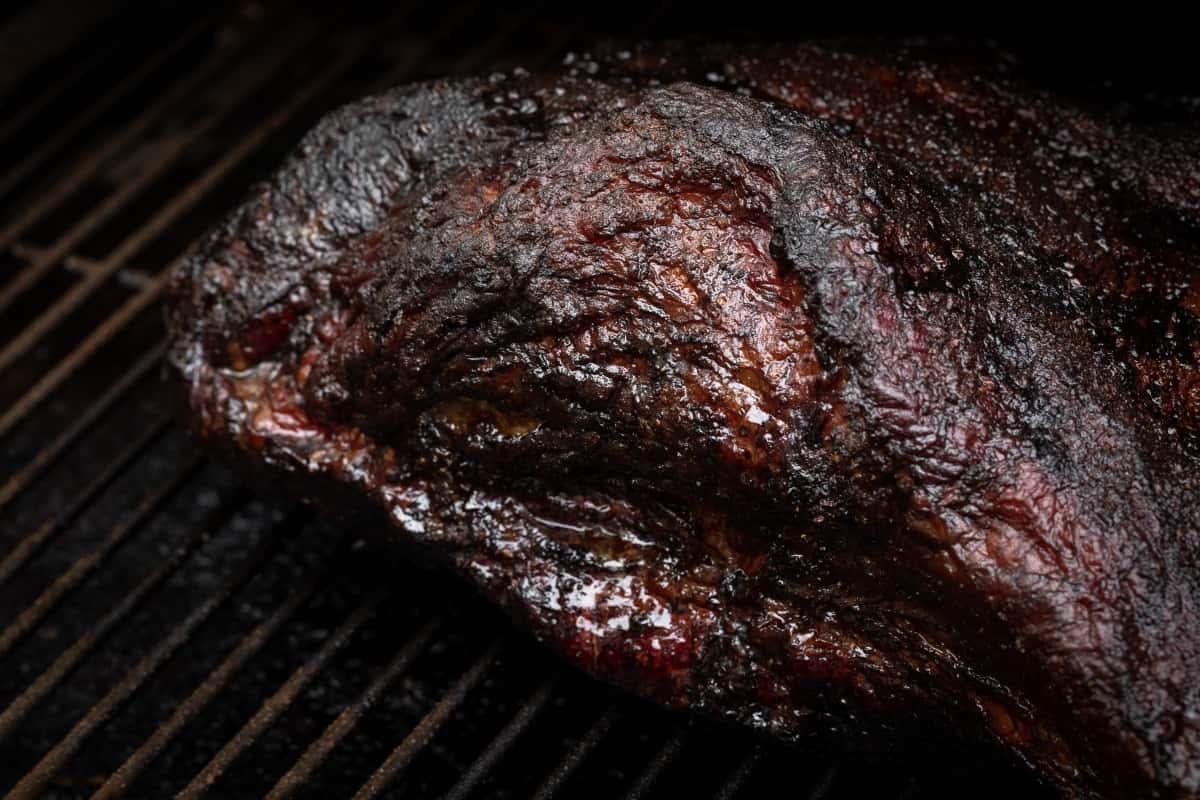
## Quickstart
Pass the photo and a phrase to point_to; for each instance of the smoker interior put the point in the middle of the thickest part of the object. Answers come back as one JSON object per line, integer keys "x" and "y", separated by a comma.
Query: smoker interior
{"x": 165, "y": 629}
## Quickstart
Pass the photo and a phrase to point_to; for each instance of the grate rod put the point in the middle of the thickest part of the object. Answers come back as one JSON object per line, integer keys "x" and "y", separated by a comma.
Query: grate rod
{"x": 737, "y": 778}
{"x": 503, "y": 741}
{"x": 277, "y": 703}
{"x": 80, "y": 121}
{"x": 429, "y": 725}
{"x": 577, "y": 754}
{"x": 70, "y": 658}
{"x": 66, "y": 82}
{"x": 669, "y": 752}
{"x": 120, "y": 781}
{"x": 52, "y": 379}
{"x": 59, "y": 756}
{"x": 319, "y": 750}
{"x": 84, "y": 169}
{"x": 48, "y": 455}
{"x": 825, "y": 784}
{"x": 84, "y": 350}
{"x": 32, "y": 543}
{"x": 97, "y": 216}
{"x": 195, "y": 190}
{"x": 49, "y": 599}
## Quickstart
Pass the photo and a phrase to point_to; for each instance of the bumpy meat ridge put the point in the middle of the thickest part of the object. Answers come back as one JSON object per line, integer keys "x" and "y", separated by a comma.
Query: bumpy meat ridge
{"x": 785, "y": 420}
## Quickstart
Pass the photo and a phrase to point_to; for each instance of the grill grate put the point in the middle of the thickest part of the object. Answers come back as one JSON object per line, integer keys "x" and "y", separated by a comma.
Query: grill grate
{"x": 161, "y": 629}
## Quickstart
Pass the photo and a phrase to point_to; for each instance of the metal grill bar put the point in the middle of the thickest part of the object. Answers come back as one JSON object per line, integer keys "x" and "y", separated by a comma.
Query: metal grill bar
{"x": 43, "y": 772}
{"x": 49, "y": 599}
{"x": 48, "y": 455}
{"x": 64, "y": 84}
{"x": 120, "y": 781}
{"x": 115, "y": 322}
{"x": 33, "y": 542}
{"x": 80, "y": 121}
{"x": 504, "y": 740}
{"x": 577, "y": 754}
{"x": 88, "y": 166}
{"x": 134, "y": 305}
{"x": 134, "y": 243}
{"x": 346, "y": 721}
{"x": 669, "y": 752}
{"x": 738, "y": 777}
{"x": 825, "y": 784}
{"x": 70, "y": 658}
{"x": 277, "y": 703}
{"x": 420, "y": 736}
{"x": 66, "y": 367}
{"x": 179, "y": 203}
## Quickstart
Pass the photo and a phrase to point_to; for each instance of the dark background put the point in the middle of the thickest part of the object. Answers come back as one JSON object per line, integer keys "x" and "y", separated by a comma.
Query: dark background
{"x": 1126, "y": 51}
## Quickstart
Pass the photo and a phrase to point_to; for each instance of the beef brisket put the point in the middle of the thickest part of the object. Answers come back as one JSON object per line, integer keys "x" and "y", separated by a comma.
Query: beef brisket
{"x": 849, "y": 393}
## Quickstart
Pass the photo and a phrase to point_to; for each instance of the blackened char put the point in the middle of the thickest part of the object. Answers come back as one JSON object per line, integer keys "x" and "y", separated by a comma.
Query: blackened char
{"x": 853, "y": 396}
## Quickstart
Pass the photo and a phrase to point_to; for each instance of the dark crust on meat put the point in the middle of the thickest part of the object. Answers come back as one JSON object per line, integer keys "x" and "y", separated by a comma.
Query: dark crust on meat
{"x": 882, "y": 425}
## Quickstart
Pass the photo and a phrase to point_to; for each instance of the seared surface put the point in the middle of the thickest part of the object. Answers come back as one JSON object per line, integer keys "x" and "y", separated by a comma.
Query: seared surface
{"x": 878, "y": 430}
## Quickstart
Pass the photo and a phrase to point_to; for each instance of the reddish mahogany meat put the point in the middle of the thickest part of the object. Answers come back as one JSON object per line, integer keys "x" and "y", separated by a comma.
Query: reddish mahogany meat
{"x": 848, "y": 392}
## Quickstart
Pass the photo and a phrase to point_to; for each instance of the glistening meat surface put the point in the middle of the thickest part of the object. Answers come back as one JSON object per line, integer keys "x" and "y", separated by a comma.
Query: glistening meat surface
{"x": 853, "y": 396}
